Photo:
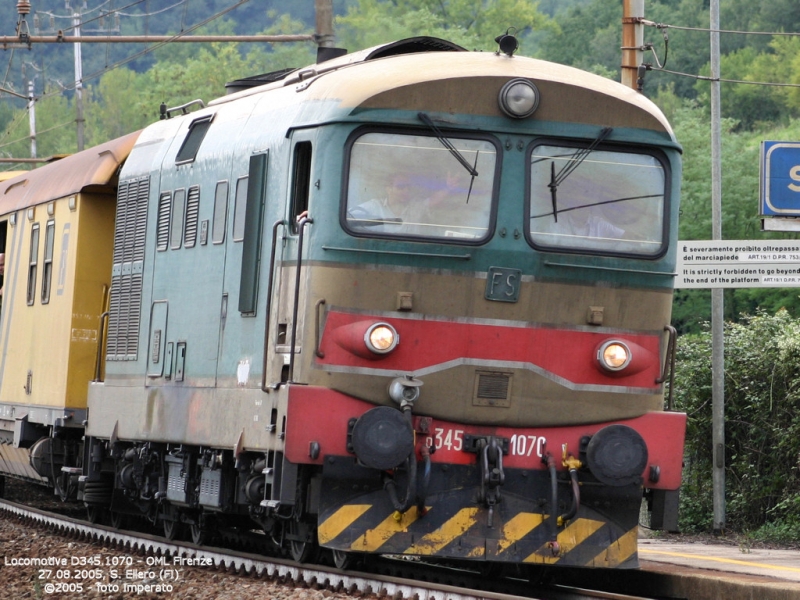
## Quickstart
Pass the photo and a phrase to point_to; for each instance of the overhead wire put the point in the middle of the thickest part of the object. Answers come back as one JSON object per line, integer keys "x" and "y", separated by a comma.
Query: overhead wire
{"x": 19, "y": 118}
{"x": 27, "y": 137}
{"x": 708, "y": 30}
{"x": 661, "y": 67}
{"x": 152, "y": 48}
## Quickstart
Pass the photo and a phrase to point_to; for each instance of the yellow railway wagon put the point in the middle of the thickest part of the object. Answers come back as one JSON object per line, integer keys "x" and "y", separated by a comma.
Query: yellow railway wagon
{"x": 56, "y": 231}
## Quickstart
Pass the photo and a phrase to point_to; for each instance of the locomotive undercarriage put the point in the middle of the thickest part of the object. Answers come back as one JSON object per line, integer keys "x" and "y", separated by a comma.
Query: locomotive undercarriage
{"x": 202, "y": 490}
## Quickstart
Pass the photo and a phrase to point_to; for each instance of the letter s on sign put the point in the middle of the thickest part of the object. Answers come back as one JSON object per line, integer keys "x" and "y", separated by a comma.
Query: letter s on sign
{"x": 794, "y": 174}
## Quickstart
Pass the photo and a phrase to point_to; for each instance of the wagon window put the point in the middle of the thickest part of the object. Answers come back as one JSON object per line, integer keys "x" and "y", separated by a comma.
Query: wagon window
{"x": 602, "y": 201}
{"x": 178, "y": 208}
{"x": 33, "y": 263}
{"x": 413, "y": 186}
{"x": 47, "y": 273}
{"x": 220, "y": 213}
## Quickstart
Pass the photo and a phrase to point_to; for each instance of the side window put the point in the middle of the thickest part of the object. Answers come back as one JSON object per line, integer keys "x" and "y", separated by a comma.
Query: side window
{"x": 194, "y": 137}
{"x": 164, "y": 210}
{"x": 33, "y": 263}
{"x": 47, "y": 273}
{"x": 239, "y": 209}
{"x": 220, "y": 213}
{"x": 176, "y": 229}
{"x": 301, "y": 181}
{"x": 192, "y": 213}
{"x": 251, "y": 248}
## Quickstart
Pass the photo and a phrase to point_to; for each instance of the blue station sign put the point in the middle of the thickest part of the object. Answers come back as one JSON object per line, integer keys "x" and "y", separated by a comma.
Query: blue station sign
{"x": 780, "y": 179}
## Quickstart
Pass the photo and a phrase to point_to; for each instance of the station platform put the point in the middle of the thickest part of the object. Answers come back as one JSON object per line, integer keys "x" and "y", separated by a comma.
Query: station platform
{"x": 700, "y": 571}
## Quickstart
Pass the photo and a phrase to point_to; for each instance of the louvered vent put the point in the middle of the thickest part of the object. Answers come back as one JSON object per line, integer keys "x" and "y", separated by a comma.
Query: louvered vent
{"x": 492, "y": 389}
{"x": 192, "y": 212}
{"x": 126, "y": 276}
{"x": 162, "y": 229}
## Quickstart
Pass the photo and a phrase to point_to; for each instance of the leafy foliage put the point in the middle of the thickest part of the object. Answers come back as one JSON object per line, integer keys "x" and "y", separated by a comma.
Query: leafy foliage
{"x": 762, "y": 432}
{"x": 471, "y": 23}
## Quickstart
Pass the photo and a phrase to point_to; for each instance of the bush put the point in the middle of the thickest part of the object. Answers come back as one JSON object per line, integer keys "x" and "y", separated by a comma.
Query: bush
{"x": 762, "y": 425}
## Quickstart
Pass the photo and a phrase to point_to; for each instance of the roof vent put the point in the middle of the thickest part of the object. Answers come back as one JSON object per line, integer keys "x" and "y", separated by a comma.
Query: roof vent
{"x": 256, "y": 80}
{"x": 415, "y": 44}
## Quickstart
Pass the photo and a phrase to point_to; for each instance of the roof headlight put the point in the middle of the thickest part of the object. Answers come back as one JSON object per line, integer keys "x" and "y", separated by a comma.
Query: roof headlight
{"x": 381, "y": 338}
{"x": 614, "y": 355}
{"x": 519, "y": 98}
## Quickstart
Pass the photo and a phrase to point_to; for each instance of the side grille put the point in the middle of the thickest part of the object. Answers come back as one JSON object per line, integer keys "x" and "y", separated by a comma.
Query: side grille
{"x": 162, "y": 230}
{"x": 492, "y": 388}
{"x": 126, "y": 275}
{"x": 192, "y": 212}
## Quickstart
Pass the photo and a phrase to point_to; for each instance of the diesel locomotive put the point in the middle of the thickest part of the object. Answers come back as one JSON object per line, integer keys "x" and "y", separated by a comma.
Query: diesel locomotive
{"x": 412, "y": 300}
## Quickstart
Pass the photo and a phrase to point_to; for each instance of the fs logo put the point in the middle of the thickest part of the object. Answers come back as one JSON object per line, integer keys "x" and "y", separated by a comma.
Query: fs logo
{"x": 502, "y": 285}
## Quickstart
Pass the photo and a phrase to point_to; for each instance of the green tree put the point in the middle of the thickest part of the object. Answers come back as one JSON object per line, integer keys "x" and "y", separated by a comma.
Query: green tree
{"x": 471, "y": 23}
{"x": 115, "y": 108}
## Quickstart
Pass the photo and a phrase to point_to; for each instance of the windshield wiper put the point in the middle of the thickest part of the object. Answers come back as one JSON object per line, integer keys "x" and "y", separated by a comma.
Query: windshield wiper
{"x": 448, "y": 144}
{"x": 601, "y": 203}
{"x": 573, "y": 163}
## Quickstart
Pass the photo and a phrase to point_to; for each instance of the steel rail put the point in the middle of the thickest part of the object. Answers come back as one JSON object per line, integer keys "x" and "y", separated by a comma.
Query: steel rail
{"x": 249, "y": 564}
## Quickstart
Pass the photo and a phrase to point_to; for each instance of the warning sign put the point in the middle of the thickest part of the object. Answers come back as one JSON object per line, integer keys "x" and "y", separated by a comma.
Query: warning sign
{"x": 738, "y": 263}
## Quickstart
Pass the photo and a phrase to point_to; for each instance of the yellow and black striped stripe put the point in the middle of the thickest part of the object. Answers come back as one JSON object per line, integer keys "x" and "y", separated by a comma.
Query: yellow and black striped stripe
{"x": 454, "y": 526}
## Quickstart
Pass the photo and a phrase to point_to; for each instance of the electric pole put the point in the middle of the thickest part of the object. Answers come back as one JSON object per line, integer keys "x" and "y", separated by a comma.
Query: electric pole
{"x": 76, "y": 27}
{"x": 717, "y": 298}
{"x": 32, "y": 117}
{"x": 632, "y": 41}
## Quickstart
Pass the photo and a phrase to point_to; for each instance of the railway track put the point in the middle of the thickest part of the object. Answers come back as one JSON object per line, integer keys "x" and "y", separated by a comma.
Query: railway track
{"x": 158, "y": 563}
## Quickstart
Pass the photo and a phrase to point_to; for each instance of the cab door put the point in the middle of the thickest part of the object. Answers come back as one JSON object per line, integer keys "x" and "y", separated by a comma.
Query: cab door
{"x": 292, "y": 285}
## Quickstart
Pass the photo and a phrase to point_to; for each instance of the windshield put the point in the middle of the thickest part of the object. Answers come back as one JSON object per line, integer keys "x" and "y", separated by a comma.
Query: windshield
{"x": 611, "y": 202}
{"x": 414, "y": 186}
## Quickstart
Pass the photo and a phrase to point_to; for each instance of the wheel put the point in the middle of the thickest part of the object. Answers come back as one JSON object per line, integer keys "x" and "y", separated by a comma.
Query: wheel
{"x": 117, "y": 519}
{"x": 171, "y": 528}
{"x": 170, "y": 520}
{"x": 94, "y": 513}
{"x": 203, "y": 531}
{"x": 343, "y": 560}
{"x": 301, "y": 551}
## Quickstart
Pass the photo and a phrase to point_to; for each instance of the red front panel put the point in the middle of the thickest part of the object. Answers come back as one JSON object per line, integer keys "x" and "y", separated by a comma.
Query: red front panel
{"x": 428, "y": 345}
{"x": 321, "y": 415}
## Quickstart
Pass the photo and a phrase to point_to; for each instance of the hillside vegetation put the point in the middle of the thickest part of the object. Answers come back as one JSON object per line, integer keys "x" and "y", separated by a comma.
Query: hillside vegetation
{"x": 125, "y": 84}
